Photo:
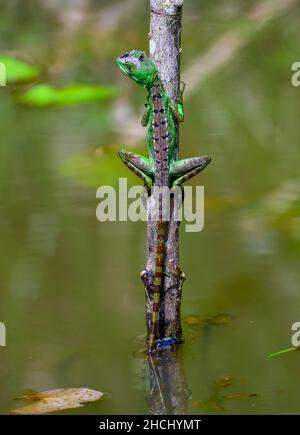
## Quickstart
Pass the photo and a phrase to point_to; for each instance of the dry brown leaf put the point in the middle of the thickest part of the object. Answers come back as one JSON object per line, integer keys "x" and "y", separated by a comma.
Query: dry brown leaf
{"x": 56, "y": 400}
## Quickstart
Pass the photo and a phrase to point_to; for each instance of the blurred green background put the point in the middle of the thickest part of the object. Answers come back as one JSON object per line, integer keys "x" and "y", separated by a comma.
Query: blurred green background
{"x": 71, "y": 297}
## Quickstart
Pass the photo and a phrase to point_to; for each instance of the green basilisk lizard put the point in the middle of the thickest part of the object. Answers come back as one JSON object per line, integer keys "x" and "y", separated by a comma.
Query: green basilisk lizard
{"x": 161, "y": 168}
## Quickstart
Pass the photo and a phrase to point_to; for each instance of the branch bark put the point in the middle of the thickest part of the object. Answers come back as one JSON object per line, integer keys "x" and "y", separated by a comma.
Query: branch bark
{"x": 165, "y": 36}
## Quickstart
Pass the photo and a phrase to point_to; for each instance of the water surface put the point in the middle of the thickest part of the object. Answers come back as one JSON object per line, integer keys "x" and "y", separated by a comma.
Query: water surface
{"x": 71, "y": 297}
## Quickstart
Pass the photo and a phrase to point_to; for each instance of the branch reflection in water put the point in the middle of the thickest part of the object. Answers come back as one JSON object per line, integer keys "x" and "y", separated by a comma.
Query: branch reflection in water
{"x": 168, "y": 393}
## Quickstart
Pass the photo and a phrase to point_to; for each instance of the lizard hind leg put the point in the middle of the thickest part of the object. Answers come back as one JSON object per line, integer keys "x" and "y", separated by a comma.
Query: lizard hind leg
{"x": 183, "y": 170}
{"x": 139, "y": 165}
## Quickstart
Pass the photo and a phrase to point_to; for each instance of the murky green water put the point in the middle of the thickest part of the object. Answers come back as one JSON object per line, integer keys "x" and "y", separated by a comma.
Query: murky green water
{"x": 71, "y": 297}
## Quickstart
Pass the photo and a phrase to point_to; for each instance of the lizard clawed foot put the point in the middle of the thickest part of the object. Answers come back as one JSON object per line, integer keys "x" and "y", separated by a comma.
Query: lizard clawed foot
{"x": 182, "y": 88}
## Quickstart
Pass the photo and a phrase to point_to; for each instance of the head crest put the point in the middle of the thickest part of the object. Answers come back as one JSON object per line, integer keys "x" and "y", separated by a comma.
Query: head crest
{"x": 138, "y": 66}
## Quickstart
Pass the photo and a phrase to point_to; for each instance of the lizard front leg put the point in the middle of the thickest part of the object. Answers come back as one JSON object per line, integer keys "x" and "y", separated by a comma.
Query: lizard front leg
{"x": 146, "y": 115}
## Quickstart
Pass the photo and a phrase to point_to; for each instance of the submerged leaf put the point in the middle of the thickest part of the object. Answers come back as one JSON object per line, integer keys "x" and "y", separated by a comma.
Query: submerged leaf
{"x": 218, "y": 319}
{"x": 234, "y": 396}
{"x": 56, "y": 400}
{"x": 224, "y": 382}
{"x": 18, "y": 71}
{"x": 197, "y": 320}
{"x": 46, "y": 95}
{"x": 221, "y": 319}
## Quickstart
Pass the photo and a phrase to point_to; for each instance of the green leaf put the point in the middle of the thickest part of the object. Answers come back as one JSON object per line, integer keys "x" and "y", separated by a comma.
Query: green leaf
{"x": 46, "y": 95}
{"x": 18, "y": 71}
{"x": 280, "y": 352}
{"x": 40, "y": 95}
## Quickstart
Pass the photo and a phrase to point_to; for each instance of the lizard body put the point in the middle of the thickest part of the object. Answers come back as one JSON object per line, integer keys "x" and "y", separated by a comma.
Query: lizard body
{"x": 162, "y": 167}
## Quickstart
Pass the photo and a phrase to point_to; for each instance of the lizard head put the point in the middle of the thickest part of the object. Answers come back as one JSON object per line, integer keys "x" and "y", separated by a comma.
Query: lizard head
{"x": 139, "y": 67}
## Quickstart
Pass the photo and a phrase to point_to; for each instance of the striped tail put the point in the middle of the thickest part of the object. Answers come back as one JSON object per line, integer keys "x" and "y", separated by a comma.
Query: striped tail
{"x": 158, "y": 274}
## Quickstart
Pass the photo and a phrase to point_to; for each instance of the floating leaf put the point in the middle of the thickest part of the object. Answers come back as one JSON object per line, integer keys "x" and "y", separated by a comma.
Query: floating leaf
{"x": 56, "y": 400}
{"x": 46, "y": 95}
{"x": 280, "y": 352}
{"x": 18, "y": 71}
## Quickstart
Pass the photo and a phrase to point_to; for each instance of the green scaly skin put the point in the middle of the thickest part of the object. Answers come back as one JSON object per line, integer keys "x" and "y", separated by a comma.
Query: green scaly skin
{"x": 161, "y": 168}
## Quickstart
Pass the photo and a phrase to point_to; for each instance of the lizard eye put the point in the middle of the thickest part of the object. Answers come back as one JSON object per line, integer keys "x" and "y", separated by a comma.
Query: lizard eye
{"x": 130, "y": 69}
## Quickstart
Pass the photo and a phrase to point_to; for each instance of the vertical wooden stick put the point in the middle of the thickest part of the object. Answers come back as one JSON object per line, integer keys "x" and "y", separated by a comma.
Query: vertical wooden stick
{"x": 165, "y": 35}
